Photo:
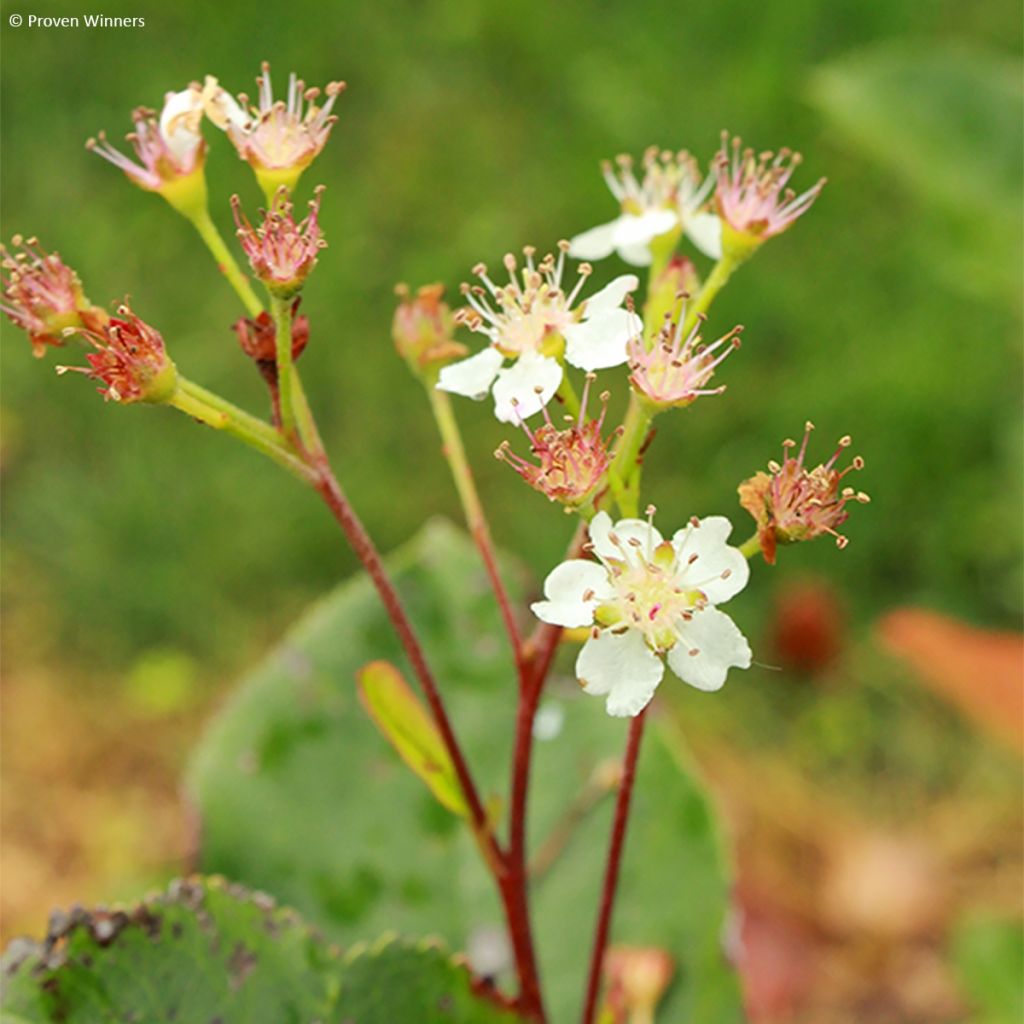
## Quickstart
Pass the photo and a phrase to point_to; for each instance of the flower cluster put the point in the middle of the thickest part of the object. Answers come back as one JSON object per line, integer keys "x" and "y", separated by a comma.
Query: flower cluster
{"x": 279, "y": 139}
{"x": 793, "y": 503}
{"x": 535, "y": 323}
{"x": 645, "y": 599}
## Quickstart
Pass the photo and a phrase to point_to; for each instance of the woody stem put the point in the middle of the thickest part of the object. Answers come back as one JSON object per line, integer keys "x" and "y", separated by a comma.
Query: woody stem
{"x": 614, "y": 863}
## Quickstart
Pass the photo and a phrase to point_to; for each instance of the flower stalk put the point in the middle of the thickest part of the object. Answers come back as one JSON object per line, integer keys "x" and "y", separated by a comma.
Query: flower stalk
{"x": 200, "y": 219}
{"x": 281, "y": 314}
{"x": 455, "y": 455}
{"x": 613, "y": 865}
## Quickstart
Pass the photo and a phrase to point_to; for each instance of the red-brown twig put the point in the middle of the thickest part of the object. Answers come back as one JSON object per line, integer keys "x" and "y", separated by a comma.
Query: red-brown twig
{"x": 611, "y": 876}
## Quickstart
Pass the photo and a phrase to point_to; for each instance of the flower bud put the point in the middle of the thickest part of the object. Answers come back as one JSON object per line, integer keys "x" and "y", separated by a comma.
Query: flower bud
{"x": 43, "y": 296}
{"x": 422, "y": 328}
{"x": 130, "y": 361}
{"x": 637, "y": 979}
{"x": 667, "y": 292}
{"x": 792, "y": 503}
{"x": 281, "y": 252}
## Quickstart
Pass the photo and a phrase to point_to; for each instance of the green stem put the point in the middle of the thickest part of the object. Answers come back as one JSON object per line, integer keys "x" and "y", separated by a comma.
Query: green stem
{"x": 455, "y": 454}
{"x": 567, "y": 393}
{"x": 281, "y": 311}
{"x": 220, "y": 414}
{"x": 751, "y": 547}
{"x": 252, "y": 424}
{"x": 309, "y": 435}
{"x": 225, "y": 261}
{"x": 624, "y": 474}
{"x": 720, "y": 274}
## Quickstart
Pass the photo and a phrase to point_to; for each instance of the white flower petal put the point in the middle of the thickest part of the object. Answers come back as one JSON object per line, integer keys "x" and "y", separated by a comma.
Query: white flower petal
{"x": 524, "y": 388}
{"x": 611, "y": 296}
{"x": 643, "y": 229}
{"x": 598, "y": 530}
{"x": 179, "y": 122}
{"x": 565, "y": 588}
{"x": 638, "y": 255}
{"x": 705, "y": 231}
{"x": 715, "y": 560}
{"x": 471, "y": 377}
{"x": 719, "y": 645}
{"x": 625, "y": 530}
{"x": 600, "y": 341}
{"x": 621, "y": 666}
{"x": 221, "y": 107}
{"x": 595, "y": 244}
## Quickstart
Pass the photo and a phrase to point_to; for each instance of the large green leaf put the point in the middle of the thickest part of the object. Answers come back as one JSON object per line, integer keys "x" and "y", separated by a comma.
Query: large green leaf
{"x": 300, "y": 795}
{"x": 207, "y": 951}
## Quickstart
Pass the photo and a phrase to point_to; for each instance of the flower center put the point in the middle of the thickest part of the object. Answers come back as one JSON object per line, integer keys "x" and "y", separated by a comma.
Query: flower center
{"x": 649, "y": 598}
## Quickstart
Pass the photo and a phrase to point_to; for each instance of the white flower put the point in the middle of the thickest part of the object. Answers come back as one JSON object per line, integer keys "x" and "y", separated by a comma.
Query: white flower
{"x": 169, "y": 147}
{"x": 646, "y": 598}
{"x": 668, "y": 197}
{"x": 530, "y": 321}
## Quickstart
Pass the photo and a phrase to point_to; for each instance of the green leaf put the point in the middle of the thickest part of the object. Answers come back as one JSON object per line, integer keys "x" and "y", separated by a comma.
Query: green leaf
{"x": 203, "y": 951}
{"x": 208, "y": 951}
{"x": 405, "y": 722}
{"x": 395, "y": 980}
{"x": 298, "y": 795}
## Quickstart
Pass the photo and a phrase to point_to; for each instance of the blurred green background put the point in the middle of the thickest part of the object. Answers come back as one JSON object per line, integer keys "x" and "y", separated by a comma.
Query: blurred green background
{"x": 468, "y": 130}
{"x": 145, "y": 555}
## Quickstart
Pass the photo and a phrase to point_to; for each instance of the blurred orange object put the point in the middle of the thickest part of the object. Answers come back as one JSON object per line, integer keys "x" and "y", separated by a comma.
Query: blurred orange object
{"x": 979, "y": 671}
{"x": 808, "y": 627}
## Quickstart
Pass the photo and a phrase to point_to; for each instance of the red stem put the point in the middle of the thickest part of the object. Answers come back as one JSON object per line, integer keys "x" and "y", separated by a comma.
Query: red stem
{"x": 330, "y": 490}
{"x": 482, "y": 537}
{"x": 538, "y": 655}
{"x": 518, "y": 881}
{"x": 611, "y": 877}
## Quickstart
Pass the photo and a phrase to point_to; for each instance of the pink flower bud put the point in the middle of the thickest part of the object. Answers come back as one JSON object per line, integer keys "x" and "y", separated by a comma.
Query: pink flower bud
{"x": 422, "y": 328}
